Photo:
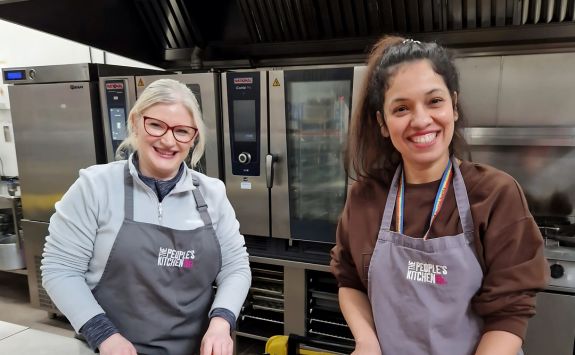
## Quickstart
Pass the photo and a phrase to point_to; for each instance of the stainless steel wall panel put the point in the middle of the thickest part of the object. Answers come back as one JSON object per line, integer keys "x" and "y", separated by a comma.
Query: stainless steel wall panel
{"x": 280, "y": 201}
{"x": 479, "y": 89}
{"x": 537, "y": 90}
{"x": 54, "y": 137}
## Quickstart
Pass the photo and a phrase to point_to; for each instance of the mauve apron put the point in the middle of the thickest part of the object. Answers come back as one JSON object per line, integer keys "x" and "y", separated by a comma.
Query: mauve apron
{"x": 420, "y": 290}
{"x": 157, "y": 285}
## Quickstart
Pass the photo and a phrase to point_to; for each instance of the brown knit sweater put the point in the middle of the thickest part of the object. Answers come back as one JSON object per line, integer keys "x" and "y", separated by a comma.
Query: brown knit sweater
{"x": 507, "y": 240}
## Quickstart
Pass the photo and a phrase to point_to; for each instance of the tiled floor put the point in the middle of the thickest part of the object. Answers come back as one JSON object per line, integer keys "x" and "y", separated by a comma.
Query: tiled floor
{"x": 15, "y": 308}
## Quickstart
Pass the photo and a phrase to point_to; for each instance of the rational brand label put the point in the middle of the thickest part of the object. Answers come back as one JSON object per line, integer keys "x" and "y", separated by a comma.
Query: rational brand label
{"x": 115, "y": 86}
{"x": 248, "y": 80}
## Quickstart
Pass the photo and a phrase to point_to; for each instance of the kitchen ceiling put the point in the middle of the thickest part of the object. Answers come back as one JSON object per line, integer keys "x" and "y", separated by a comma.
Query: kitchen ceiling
{"x": 228, "y": 33}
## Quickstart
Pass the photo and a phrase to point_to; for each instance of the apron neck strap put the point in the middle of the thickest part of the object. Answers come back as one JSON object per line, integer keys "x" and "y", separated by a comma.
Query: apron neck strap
{"x": 201, "y": 205}
{"x": 128, "y": 193}
{"x": 462, "y": 200}
{"x": 451, "y": 172}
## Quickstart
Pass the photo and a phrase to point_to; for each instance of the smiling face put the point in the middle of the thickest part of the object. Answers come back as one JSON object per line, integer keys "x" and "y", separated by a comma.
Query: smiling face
{"x": 160, "y": 157}
{"x": 419, "y": 116}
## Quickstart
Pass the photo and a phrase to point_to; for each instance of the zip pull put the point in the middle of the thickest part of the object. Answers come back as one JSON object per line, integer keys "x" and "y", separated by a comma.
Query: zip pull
{"x": 160, "y": 212}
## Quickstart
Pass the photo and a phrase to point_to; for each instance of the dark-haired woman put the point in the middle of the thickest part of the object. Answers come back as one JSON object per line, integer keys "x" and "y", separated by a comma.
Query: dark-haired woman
{"x": 434, "y": 254}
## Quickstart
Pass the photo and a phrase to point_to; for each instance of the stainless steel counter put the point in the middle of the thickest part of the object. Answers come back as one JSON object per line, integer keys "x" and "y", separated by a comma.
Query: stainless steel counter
{"x": 17, "y": 339}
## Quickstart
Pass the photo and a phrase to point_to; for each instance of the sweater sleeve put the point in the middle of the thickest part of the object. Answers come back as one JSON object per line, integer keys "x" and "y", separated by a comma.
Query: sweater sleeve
{"x": 514, "y": 264}
{"x": 234, "y": 278}
{"x": 68, "y": 250}
{"x": 343, "y": 265}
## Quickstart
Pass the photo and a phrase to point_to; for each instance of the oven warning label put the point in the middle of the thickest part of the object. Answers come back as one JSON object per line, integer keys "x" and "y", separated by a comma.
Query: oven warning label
{"x": 276, "y": 82}
{"x": 246, "y": 185}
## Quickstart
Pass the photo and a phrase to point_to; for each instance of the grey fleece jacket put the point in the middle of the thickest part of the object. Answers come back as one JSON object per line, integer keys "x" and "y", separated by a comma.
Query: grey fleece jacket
{"x": 90, "y": 214}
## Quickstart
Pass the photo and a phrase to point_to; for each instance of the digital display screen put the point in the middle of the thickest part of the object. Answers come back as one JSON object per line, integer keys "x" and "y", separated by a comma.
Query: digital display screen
{"x": 118, "y": 124}
{"x": 15, "y": 75}
{"x": 245, "y": 120}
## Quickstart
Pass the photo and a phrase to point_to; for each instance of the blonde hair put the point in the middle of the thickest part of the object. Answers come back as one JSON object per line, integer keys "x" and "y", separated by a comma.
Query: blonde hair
{"x": 165, "y": 91}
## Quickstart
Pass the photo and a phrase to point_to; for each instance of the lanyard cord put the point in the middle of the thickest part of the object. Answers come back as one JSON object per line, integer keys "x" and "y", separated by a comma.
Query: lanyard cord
{"x": 439, "y": 198}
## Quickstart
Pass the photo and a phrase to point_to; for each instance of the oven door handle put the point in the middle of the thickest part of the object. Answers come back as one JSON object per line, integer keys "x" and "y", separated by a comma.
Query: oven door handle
{"x": 270, "y": 160}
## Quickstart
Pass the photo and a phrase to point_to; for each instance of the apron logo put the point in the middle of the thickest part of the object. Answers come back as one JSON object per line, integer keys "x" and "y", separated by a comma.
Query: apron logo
{"x": 426, "y": 273}
{"x": 176, "y": 258}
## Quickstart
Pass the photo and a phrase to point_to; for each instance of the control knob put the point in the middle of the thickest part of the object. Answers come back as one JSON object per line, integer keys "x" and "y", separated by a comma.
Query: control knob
{"x": 557, "y": 271}
{"x": 244, "y": 158}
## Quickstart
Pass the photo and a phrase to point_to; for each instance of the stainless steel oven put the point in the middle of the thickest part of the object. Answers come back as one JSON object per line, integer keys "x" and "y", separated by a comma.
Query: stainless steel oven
{"x": 521, "y": 112}
{"x": 542, "y": 160}
{"x": 284, "y": 131}
{"x": 552, "y": 330}
{"x": 57, "y": 131}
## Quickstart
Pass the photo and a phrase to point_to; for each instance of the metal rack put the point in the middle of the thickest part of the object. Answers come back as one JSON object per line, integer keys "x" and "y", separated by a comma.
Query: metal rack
{"x": 290, "y": 297}
{"x": 14, "y": 205}
{"x": 263, "y": 312}
{"x": 324, "y": 321}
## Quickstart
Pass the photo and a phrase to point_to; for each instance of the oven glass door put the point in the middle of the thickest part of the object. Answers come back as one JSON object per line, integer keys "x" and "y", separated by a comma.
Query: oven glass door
{"x": 317, "y": 114}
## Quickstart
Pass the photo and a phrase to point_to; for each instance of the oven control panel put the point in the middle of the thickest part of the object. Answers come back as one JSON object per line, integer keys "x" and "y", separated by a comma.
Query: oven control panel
{"x": 562, "y": 273}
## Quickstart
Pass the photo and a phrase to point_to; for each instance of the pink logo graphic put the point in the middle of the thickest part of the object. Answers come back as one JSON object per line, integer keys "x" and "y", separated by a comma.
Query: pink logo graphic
{"x": 440, "y": 280}
{"x": 188, "y": 263}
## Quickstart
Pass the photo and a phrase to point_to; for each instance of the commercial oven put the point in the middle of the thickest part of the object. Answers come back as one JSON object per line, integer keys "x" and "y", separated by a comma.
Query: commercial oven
{"x": 284, "y": 132}
{"x": 529, "y": 133}
{"x": 57, "y": 131}
{"x": 117, "y": 96}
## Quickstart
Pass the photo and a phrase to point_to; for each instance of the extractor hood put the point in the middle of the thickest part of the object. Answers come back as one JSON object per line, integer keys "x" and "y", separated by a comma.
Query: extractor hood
{"x": 224, "y": 33}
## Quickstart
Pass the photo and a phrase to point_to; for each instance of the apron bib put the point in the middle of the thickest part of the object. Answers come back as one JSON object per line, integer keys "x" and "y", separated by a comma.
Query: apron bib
{"x": 157, "y": 284}
{"x": 420, "y": 290}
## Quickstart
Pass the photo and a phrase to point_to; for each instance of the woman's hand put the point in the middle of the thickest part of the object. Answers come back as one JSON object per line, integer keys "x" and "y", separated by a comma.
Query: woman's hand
{"x": 367, "y": 348}
{"x": 217, "y": 340}
{"x": 117, "y": 345}
{"x": 499, "y": 342}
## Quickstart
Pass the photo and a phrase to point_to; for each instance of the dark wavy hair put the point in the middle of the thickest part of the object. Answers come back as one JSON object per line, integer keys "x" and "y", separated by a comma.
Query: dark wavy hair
{"x": 370, "y": 155}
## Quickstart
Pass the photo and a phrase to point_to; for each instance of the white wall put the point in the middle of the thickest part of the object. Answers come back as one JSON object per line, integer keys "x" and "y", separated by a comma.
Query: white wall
{"x": 20, "y": 47}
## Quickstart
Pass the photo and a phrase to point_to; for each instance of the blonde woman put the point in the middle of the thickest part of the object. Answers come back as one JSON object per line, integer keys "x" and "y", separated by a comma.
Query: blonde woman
{"x": 135, "y": 245}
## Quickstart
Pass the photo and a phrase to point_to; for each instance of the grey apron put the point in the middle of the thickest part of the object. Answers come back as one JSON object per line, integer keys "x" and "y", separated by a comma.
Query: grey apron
{"x": 420, "y": 290}
{"x": 157, "y": 284}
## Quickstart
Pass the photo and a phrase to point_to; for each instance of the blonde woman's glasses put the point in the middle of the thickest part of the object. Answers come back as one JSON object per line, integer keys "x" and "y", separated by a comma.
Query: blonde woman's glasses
{"x": 157, "y": 128}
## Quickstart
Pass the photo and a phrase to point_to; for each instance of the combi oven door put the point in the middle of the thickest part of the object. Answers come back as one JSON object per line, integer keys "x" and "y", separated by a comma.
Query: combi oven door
{"x": 309, "y": 116}
{"x": 284, "y": 134}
